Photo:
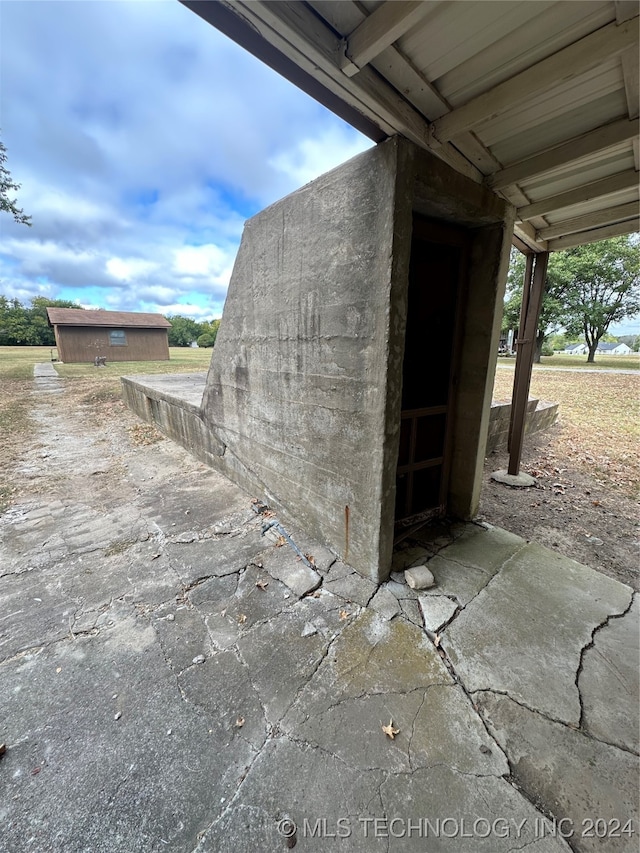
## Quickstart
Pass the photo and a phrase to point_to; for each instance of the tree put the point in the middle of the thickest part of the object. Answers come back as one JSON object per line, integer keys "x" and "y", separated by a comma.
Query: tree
{"x": 209, "y": 333}
{"x": 552, "y": 311}
{"x": 604, "y": 287}
{"x": 586, "y": 289}
{"x": 21, "y": 326}
{"x": 8, "y": 185}
{"x": 206, "y": 340}
{"x": 183, "y": 330}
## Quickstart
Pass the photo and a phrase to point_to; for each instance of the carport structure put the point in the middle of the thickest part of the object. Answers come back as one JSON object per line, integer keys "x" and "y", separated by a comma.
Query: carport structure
{"x": 510, "y": 122}
{"x": 536, "y": 100}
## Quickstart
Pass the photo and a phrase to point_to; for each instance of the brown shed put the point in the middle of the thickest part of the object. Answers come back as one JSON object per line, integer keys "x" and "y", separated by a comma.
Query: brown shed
{"x": 81, "y": 336}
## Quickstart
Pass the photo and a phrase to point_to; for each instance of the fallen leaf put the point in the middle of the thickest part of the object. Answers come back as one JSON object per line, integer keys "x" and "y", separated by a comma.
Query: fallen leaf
{"x": 240, "y": 722}
{"x": 242, "y": 618}
{"x": 262, "y": 584}
{"x": 436, "y": 640}
{"x": 280, "y": 541}
{"x": 390, "y": 731}
{"x": 59, "y": 669}
{"x": 344, "y": 614}
{"x": 311, "y": 559}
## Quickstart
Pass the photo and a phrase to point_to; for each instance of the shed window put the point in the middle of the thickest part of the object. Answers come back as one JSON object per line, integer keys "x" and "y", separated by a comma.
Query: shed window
{"x": 117, "y": 338}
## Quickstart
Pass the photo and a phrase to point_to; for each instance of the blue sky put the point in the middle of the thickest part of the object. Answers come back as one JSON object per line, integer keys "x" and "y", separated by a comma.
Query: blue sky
{"x": 143, "y": 139}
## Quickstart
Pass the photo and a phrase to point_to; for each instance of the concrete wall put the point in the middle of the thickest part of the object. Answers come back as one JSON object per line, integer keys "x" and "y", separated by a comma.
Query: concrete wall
{"x": 172, "y": 403}
{"x": 540, "y": 416}
{"x": 304, "y": 388}
{"x": 297, "y": 385}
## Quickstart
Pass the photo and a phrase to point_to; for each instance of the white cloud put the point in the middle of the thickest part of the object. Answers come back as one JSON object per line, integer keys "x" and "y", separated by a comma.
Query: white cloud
{"x": 143, "y": 138}
{"x": 208, "y": 260}
{"x": 129, "y": 269}
{"x": 311, "y": 157}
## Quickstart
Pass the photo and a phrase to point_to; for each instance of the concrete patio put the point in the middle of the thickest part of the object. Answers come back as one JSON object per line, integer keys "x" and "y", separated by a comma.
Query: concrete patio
{"x": 173, "y": 679}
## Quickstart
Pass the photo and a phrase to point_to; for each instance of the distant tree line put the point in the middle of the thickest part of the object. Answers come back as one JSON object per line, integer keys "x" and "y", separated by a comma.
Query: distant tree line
{"x": 28, "y": 325}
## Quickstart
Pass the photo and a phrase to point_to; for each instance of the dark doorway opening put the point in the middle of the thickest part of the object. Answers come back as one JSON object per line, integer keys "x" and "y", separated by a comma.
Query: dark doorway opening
{"x": 437, "y": 274}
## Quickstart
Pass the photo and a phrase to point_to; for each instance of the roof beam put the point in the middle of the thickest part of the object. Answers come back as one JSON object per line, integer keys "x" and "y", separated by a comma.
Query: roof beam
{"x": 631, "y": 72}
{"x": 606, "y": 186}
{"x": 590, "y": 220}
{"x": 526, "y": 233}
{"x": 566, "y": 64}
{"x": 379, "y": 30}
{"x": 576, "y": 148}
{"x": 595, "y": 235}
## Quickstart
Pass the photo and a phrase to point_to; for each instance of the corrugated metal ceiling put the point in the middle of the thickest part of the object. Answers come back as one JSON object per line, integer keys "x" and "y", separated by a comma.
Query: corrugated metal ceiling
{"x": 444, "y": 74}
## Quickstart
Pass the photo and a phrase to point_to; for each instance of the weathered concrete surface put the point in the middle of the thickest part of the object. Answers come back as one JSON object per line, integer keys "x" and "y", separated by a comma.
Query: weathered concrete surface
{"x": 296, "y": 387}
{"x": 581, "y": 779}
{"x": 540, "y": 416}
{"x": 610, "y": 668}
{"x": 165, "y": 690}
{"x": 532, "y": 619}
{"x": 173, "y": 404}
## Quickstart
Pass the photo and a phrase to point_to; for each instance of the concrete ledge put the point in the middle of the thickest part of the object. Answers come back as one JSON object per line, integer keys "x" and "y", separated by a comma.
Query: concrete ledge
{"x": 540, "y": 416}
{"x": 171, "y": 402}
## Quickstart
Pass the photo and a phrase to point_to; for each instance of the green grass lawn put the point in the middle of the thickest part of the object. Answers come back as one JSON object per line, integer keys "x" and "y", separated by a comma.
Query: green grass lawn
{"x": 18, "y": 362}
{"x": 602, "y": 362}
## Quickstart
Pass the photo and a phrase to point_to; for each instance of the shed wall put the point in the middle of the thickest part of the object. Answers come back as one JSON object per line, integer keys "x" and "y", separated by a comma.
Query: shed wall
{"x": 84, "y": 343}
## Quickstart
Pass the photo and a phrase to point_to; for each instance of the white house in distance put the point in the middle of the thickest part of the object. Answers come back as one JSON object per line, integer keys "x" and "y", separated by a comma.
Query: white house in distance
{"x": 603, "y": 349}
{"x": 613, "y": 349}
{"x": 576, "y": 349}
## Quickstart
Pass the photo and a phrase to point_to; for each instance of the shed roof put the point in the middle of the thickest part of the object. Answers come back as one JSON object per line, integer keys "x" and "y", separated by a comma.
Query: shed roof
{"x": 76, "y": 317}
{"x": 538, "y": 101}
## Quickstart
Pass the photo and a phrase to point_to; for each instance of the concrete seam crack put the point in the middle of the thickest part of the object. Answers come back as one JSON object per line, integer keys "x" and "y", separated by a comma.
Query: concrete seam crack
{"x": 590, "y": 645}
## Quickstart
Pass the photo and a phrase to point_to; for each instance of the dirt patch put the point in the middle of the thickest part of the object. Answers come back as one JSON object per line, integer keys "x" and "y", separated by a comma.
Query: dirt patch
{"x": 578, "y": 513}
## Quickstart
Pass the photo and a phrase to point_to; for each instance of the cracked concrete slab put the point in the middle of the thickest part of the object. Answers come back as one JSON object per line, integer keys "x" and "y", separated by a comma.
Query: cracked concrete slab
{"x": 284, "y": 565}
{"x": 280, "y": 660}
{"x": 466, "y": 566}
{"x": 209, "y": 557}
{"x": 349, "y": 585}
{"x": 32, "y": 614}
{"x": 167, "y": 692}
{"x": 234, "y": 709}
{"x": 114, "y": 732}
{"x": 371, "y": 656}
{"x": 575, "y": 777}
{"x": 436, "y": 610}
{"x": 385, "y": 603}
{"x": 608, "y": 681}
{"x": 310, "y": 790}
{"x": 466, "y": 813}
{"x": 533, "y": 619}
